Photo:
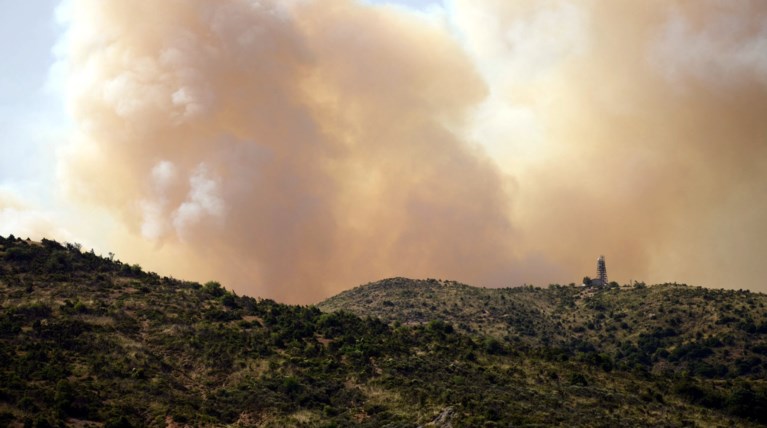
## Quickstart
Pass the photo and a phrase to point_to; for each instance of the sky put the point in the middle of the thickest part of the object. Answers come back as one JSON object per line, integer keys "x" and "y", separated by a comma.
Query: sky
{"x": 295, "y": 149}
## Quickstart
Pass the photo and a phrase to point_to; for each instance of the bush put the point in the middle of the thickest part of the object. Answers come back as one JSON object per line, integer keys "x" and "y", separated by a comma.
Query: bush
{"x": 119, "y": 422}
{"x": 19, "y": 254}
{"x": 578, "y": 379}
{"x": 493, "y": 346}
{"x": 229, "y": 300}
{"x": 213, "y": 288}
{"x": 747, "y": 403}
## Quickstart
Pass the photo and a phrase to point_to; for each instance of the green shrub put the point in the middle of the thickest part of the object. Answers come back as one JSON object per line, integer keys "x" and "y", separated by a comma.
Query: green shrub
{"x": 213, "y": 288}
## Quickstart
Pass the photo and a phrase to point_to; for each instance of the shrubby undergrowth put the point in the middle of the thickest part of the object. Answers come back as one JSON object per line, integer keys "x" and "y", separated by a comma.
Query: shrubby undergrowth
{"x": 86, "y": 339}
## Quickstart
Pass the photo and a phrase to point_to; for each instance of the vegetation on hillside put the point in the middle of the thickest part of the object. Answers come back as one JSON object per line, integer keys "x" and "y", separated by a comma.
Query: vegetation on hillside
{"x": 711, "y": 344}
{"x": 89, "y": 341}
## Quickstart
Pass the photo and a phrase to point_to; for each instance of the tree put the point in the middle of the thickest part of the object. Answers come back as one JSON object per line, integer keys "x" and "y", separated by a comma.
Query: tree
{"x": 213, "y": 288}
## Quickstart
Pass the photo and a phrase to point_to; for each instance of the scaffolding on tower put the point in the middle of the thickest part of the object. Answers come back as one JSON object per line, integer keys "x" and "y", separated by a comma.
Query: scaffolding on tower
{"x": 601, "y": 271}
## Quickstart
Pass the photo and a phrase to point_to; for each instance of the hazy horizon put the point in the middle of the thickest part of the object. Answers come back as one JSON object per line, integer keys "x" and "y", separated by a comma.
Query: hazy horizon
{"x": 295, "y": 149}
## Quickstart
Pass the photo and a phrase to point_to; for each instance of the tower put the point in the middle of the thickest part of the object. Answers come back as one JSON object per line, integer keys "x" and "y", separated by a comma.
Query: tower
{"x": 601, "y": 271}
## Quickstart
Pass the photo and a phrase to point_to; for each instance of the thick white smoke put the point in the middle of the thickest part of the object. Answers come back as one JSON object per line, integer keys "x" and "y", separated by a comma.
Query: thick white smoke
{"x": 293, "y": 149}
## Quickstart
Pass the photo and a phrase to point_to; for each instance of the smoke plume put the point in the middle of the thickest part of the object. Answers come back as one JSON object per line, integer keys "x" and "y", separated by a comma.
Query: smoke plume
{"x": 636, "y": 132}
{"x": 293, "y": 149}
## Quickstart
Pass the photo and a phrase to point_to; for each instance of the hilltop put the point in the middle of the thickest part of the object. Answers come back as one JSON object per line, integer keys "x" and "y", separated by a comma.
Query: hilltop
{"x": 606, "y": 317}
{"x": 90, "y": 341}
{"x": 713, "y": 341}
{"x": 512, "y": 313}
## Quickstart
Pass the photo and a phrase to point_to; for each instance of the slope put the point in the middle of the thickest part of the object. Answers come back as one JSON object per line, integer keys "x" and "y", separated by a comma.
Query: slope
{"x": 88, "y": 341}
{"x": 713, "y": 343}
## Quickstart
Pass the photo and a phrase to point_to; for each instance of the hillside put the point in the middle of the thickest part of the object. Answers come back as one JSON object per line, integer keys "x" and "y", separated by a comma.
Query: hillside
{"x": 714, "y": 342}
{"x": 89, "y": 341}
{"x": 658, "y": 318}
{"x": 516, "y": 314}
